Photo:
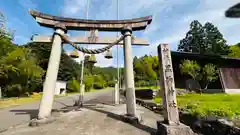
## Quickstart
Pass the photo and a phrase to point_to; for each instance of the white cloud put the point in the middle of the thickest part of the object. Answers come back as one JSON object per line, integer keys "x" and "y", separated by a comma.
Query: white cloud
{"x": 74, "y": 7}
{"x": 27, "y": 4}
{"x": 170, "y": 23}
{"x": 211, "y": 11}
{"x": 103, "y": 62}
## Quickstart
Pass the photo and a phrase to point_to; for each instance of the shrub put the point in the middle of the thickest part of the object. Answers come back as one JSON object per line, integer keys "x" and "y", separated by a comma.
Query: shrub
{"x": 73, "y": 86}
{"x": 111, "y": 83}
{"x": 14, "y": 90}
{"x": 99, "y": 82}
{"x": 88, "y": 81}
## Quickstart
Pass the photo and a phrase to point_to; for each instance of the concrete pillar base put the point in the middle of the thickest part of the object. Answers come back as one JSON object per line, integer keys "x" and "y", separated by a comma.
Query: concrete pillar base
{"x": 131, "y": 119}
{"x": 165, "y": 129}
{"x": 39, "y": 122}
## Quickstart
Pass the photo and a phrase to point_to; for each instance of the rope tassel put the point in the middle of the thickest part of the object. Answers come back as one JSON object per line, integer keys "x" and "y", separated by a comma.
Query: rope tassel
{"x": 91, "y": 51}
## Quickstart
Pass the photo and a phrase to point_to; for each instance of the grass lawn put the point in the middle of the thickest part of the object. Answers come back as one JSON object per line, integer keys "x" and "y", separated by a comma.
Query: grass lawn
{"x": 8, "y": 102}
{"x": 153, "y": 87}
{"x": 209, "y": 104}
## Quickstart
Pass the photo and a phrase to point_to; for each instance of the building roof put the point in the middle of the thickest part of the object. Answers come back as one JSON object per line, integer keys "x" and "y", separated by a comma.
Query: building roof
{"x": 202, "y": 59}
{"x": 190, "y": 54}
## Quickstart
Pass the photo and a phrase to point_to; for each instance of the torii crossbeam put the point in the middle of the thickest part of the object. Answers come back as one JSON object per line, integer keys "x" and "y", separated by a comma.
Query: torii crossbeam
{"x": 62, "y": 24}
{"x": 85, "y": 40}
{"x": 50, "y": 21}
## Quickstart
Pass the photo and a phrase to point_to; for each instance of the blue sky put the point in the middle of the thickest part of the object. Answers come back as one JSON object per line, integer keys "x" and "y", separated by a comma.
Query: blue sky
{"x": 171, "y": 19}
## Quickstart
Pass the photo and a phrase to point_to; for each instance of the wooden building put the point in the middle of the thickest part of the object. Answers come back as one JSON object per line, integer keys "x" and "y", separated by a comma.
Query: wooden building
{"x": 229, "y": 76}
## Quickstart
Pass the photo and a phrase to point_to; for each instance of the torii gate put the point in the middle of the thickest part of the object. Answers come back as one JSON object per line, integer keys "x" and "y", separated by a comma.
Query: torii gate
{"x": 62, "y": 24}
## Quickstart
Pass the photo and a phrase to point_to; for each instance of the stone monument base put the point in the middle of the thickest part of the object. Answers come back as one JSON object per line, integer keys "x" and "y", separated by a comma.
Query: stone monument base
{"x": 130, "y": 119}
{"x": 165, "y": 129}
{"x": 39, "y": 122}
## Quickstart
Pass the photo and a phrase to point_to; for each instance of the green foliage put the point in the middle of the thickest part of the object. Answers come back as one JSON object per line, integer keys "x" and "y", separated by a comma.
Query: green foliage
{"x": 22, "y": 68}
{"x": 209, "y": 104}
{"x": 110, "y": 83}
{"x": 194, "y": 40}
{"x": 210, "y": 73}
{"x": 88, "y": 81}
{"x": 6, "y": 46}
{"x": 191, "y": 68}
{"x": 235, "y": 51}
{"x": 203, "y": 39}
{"x": 214, "y": 40}
{"x": 68, "y": 68}
{"x": 99, "y": 82}
{"x": 207, "y": 74}
{"x": 73, "y": 86}
{"x": 146, "y": 69}
{"x": 20, "y": 73}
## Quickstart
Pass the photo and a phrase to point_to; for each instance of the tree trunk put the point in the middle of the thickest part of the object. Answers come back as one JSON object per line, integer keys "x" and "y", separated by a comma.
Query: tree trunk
{"x": 206, "y": 86}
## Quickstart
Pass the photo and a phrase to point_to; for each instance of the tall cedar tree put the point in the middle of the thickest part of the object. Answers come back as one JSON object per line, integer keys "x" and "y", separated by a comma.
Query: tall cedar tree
{"x": 194, "y": 40}
{"x": 203, "y": 39}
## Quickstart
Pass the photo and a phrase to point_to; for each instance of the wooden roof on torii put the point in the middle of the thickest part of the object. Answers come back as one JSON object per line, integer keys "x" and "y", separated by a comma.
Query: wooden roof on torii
{"x": 83, "y": 24}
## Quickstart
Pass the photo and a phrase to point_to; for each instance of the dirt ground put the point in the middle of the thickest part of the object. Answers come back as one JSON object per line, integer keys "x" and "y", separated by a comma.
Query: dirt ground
{"x": 98, "y": 119}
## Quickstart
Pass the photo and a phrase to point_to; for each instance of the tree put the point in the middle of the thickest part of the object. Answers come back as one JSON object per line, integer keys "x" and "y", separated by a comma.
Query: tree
{"x": 210, "y": 74}
{"x": 20, "y": 73}
{"x": 215, "y": 43}
{"x": 194, "y": 40}
{"x": 73, "y": 86}
{"x": 203, "y": 39}
{"x": 68, "y": 68}
{"x": 6, "y": 46}
{"x": 191, "y": 68}
{"x": 235, "y": 51}
{"x": 3, "y": 32}
{"x": 99, "y": 82}
{"x": 207, "y": 74}
{"x": 146, "y": 70}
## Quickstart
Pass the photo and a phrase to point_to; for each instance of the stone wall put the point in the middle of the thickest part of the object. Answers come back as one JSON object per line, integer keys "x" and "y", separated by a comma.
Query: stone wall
{"x": 209, "y": 125}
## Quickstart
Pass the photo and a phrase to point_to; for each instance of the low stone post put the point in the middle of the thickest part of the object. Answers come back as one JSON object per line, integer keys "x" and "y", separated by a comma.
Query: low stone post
{"x": 51, "y": 75}
{"x": 116, "y": 94}
{"x": 171, "y": 124}
{"x": 82, "y": 91}
{"x": 128, "y": 73}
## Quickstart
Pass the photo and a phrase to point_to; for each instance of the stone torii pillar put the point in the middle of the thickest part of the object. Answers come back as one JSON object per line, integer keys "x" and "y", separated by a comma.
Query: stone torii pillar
{"x": 52, "y": 73}
{"x": 128, "y": 72}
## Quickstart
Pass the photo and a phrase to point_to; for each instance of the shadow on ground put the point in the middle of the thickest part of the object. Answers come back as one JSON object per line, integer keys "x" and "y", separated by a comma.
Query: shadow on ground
{"x": 108, "y": 100}
{"x": 31, "y": 112}
{"x": 145, "y": 128}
